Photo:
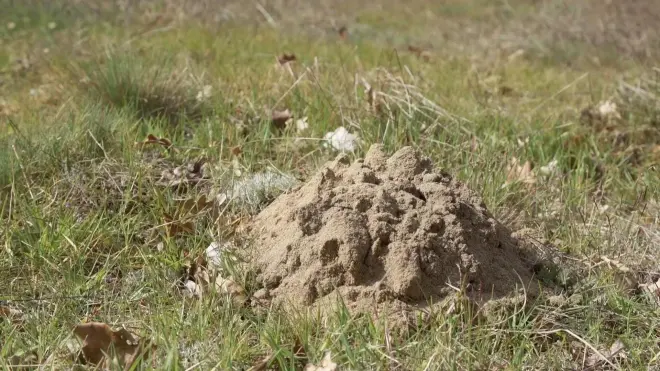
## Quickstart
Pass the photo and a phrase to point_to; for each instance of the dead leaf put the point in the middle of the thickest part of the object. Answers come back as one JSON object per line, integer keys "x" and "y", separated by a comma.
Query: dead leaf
{"x": 286, "y": 58}
{"x": 100, "y": 341}
{"x": 236, "y": 151}
{"x": 174, "y": 227}
{"x": 343, "y": 32}
{"x": 520, "y": 173}
{"x": 280, "y": 118}
{"x": 325, "y": 365}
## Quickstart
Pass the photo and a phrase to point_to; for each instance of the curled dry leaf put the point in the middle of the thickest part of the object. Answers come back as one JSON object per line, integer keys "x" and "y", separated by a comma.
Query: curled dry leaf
{"x": 520, "y": 173}
{"x": 286, "y": 58}
{"x": 280, "y": 118}
{"x": 99, "y": 342}
{"x": 326, "y": 364}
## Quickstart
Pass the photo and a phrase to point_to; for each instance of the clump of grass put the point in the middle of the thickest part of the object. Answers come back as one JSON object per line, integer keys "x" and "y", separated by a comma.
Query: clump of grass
{"x": 153, "y": 89}
{"x": 641, "y": 100}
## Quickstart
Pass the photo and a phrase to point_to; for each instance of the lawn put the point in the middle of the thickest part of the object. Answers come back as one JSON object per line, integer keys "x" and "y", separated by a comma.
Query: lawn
{"x": 125, "y": 127}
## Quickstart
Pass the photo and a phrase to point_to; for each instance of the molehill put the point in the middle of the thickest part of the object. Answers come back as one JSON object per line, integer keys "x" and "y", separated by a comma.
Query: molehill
{"x": 385, "y": 231}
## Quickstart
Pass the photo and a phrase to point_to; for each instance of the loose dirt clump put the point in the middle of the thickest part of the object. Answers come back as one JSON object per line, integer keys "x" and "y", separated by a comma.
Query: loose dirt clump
{"x": 385, "y": 231}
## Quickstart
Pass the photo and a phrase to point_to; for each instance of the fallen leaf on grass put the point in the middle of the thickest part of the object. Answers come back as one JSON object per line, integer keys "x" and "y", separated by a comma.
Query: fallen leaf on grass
{"x": 236, "y": 151}
{"x": 280, "y": 118}
{"x": 520, "y": 173}
{"x": 286, "y": 58}
{"x": 100, "y": 341}
{"x": 325, "y": 365}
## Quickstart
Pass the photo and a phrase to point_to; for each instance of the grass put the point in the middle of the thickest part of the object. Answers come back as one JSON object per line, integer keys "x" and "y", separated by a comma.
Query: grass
{"x": 85, "y": 213}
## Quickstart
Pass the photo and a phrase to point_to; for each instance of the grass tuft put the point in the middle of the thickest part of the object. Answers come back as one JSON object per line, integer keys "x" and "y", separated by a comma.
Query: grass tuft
{"x": 152, "y": 88}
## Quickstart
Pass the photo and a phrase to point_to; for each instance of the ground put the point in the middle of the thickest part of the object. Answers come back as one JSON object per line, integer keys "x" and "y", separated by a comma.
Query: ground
{"x": 113, "y": 114}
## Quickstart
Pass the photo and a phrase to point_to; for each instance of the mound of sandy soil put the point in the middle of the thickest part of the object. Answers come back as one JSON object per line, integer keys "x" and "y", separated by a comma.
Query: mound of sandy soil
{"x": 385, "y": 231}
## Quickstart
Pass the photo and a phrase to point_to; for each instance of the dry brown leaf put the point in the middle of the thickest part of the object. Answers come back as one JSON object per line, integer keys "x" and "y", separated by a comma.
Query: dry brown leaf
{"x": 280, "y": 118}
{"x": 236, "y": 151}
{"x": 520, "y": 173}
{"x": 100, "y": 341}
{"x": 325, "y": 365}
{"x": 286, "y": 58}
{"x": 174, "y": 227}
